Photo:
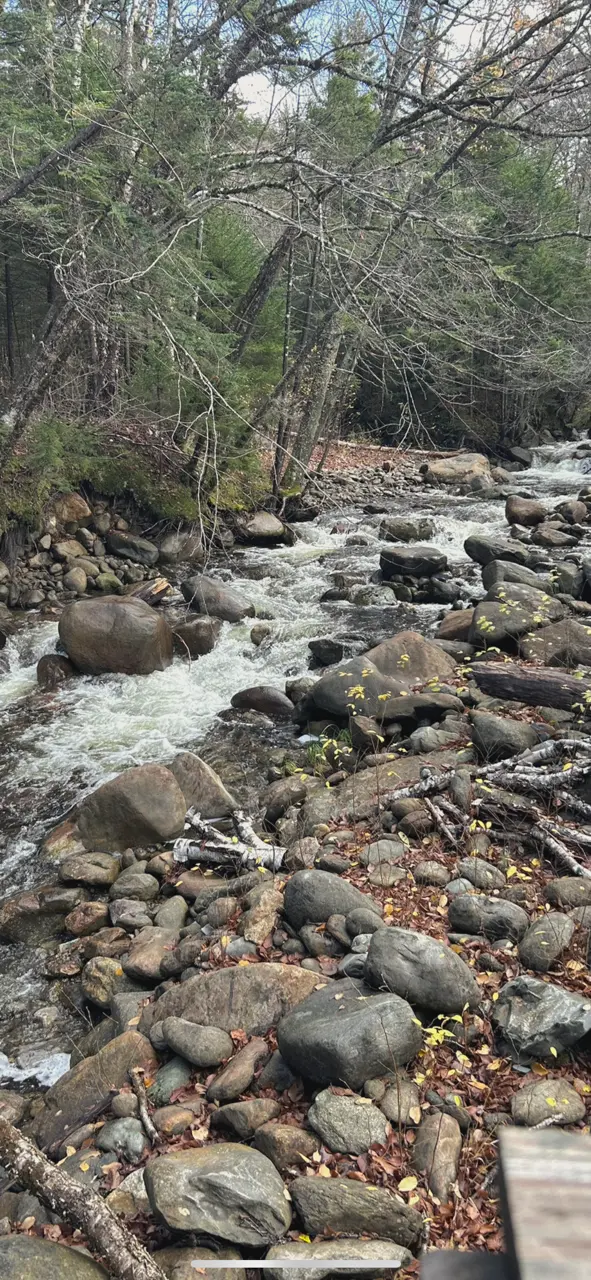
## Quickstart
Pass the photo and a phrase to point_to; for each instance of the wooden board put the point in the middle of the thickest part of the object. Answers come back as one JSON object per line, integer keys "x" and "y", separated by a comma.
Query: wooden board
{"x": 546, "y": 1192}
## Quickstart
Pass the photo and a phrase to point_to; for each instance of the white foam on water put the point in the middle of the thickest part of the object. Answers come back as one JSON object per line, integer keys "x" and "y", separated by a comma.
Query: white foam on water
{"x": 37, "y": 1065}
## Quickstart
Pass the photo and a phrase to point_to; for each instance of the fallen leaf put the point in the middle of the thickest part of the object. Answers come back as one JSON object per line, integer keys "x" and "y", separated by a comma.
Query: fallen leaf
{"x": 408, "y": 1184}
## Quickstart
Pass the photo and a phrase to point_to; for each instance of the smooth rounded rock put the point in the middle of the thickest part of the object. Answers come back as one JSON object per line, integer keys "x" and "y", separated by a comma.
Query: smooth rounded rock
{"x": 226, "y": 1190}
{"x": 347, "y": 1124}
{"x": 112, "y": 634}
{"x": 421, "y": 970}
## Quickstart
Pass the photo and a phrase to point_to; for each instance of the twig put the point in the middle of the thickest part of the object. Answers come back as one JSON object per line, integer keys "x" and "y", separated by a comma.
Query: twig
{"x": 548, "y": 1122}
{"x": 136, "y": 1076}
{"x": 439, "y": 821}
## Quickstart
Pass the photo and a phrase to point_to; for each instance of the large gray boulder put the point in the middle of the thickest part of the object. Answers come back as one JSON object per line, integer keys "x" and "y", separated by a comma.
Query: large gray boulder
{"x": 185, "y": 547}
{"x": 141, "y": 806}
{"x": 496, "y": 572}
{"x": 84, "y": 1092}
{"x": 227, "y": 1191}
{"x": 509, "y": 612}
{"x": 251, "y": 999}
{"x": 345, "y": 1206}
{"x": 312, "y": 896}
{"x": 347, "y": 1124}
{"x": 37, "y": 915}
{"x": 266, "y": 699}
{"x": 196, "y": 636}
{"x": 129, "y": 547}
{"x": 260, "y": 529}
{"x": 201, "y": 786}
{"x": 410, "y": 659}
{"x": 204, "y": 595}
{"x": 562, "y": 644}
{"x": 397, "y": 529}
{"x": 421, "y": 970}
{"x": 525, "y": 511}
{"x": 110, "y": 633}
{"x": 355, "y": 684}
{"x": 345, "y": 1033}
{"x": 30, "y": 1257}
{"x": 412, "y": 561}
{"x": 536, "y": 1019}
{"x": 483, "y": 550}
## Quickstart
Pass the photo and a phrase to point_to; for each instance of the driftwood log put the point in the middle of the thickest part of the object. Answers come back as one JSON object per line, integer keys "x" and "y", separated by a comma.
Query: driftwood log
{"x": 536, "y": 686}
{"x": 82, "y": 1208}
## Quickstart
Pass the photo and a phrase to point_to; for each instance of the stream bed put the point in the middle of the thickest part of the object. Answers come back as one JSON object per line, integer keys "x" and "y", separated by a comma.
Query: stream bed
{"x": 54, "y": 747}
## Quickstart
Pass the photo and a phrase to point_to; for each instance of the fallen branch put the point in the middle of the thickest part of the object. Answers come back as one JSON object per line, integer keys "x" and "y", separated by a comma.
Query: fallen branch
{"x": 83, "y": 1209}
{"x": 136, "y": 1076}
{"x": 245, "y": 849}
{"x": 440, "y": 822}
{"x": 558, "y": 850}
{"x": 535, "y": 686}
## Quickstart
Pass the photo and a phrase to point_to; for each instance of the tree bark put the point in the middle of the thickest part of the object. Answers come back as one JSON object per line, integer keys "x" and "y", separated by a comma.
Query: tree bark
{"x": 536, "y": 686}
{"x": 109, "y": 1240}
{"x": 59, "y": 325}
{"x": 309, "y": 429}
{"x": 256, "y": 295}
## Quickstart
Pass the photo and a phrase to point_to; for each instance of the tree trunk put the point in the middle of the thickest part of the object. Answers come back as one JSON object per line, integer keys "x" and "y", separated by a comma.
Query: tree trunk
{"x": 256, "y": 295}
{"x": 536, "y": 686}
{"x": 310, "y": 425}
{"x": 52, "y": 348}
{"x": 9, "y": 316}
{"x": 83, "y": 1209}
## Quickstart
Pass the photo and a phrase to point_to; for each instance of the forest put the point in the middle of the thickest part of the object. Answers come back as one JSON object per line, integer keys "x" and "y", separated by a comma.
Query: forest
{"x": 232, "y": 230}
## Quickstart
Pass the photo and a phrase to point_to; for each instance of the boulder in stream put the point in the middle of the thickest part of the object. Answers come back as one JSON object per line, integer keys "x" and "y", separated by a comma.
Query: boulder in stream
{"x": 204, "y": 595}
{"x": 201, "y": 786}
{"x": 128, "y": 546}
{"x": 113, "y": 634}
{"x": 461, "y": 468}
{"x": 411, "y": 561}
{"x": 141, "y": 806}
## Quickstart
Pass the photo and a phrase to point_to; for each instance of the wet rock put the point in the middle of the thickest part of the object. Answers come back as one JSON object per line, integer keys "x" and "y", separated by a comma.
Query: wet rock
{"x": 496, "y": 738}
{"x": 347, "y": 1124}
{"x": 95, "y": 870}
{"x": 265, "y": 699}
{"x": 545, "y": 940}
{"x": 524, "y": 511}
{"x": 110, "y": 634}
{"x": 239, "y": 1073}
{"x": 326, "y": 650}
{"x": 32, "y": 918}
{"x": 569, "y": 891}
{"x": 396, "y": 529}
{"x": 244, "y": 1118}
{"x": 226, "y": 1190}
{"x": 174, "y": 1075}
{"x": 84, "y": 1092}
{"x": 203, "y": 1046}
{"x": 547, "y": 1099}
{"x": 345, "y": 1033}
{"x": 492, "y": 917}
{"x": 125, "y": 1136}
{"x": 547, "y": 535}
{"x": 261, "y": 529}
{"x": 411, "y": 561}
{"x": 563, "y": 644}
{"x": 206, "y": 596}
{"x": 29, "y": 1257}
{"x": 532, "y": 1017}
{"x": 421, "y": 970}
{"x": 53, "y": 671}
{"x": 141, "y": 806}
{"x": 197, "y": 636}
{"x": 483, "y": 550}
{"x": 285, "y": 1145}
{"x": 312, "y": 896}
{"x": 437, "y": 1153}
{"x": 345, "y": 1206}
{"x": 480, "y": 873}
{"x": 321, "y": 1255}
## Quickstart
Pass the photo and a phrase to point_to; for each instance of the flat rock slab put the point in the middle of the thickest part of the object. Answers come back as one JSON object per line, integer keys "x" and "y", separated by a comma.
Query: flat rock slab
{"x": 421, "y": 970}
{"x": 345, "y": 1033}
{"x": 29, "y": 1258}
{"x": 226, "y": 1190}
{"x": 251, "y": 999}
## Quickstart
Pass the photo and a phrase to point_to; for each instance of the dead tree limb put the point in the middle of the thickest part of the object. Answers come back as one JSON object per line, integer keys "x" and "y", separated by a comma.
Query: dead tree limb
{"x": 109, "y": 1240}
{"x": 536, "y": 686}
{"x": 136, "y": 1076}
{"x": 244, "y": 849}
{"x": 558, "y": 850}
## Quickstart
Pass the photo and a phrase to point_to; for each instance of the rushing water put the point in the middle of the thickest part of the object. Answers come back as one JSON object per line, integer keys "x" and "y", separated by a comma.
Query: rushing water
{"x": 55, "y": 747}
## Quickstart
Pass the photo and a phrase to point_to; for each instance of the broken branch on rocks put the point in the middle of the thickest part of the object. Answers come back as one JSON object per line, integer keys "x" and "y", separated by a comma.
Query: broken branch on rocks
{"x": 245, "y": 849}
{"x": 535, "y": 686}
{"x": 83, "y": 1209}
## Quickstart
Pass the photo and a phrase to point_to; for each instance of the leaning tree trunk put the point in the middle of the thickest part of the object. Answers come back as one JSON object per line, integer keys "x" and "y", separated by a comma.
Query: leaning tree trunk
{"x": 311, "y": 423}
{"x": 251, "y": 305}
{"x": 53, "y": 345}
{"x": 81, "y": 1208}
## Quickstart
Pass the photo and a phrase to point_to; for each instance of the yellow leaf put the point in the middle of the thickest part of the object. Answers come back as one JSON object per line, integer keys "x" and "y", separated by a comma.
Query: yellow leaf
{"x": 323, "y": 1171}
{"x": 389, "y": 909}
{"x": 511, "y": 871}
{"x": 457, "y": 1100}
{"x": 132, "y": 1022}
{"x": 70, "y": 1151}
{"x": 495, "y": 995}
{"x": 225, "y": 940}
{"x": 553, "y": 1051}
{"x": 414, "y": 1114}
{"x": 85, "y": 1166}
{"x": 305, "y": 1239}
{"x": 551, "y": 1102}
{"x": 242, "y": 963}
{"x": 494, "y": 1066}
{"x": 408, "y": 1184}
{"x": 419, "y": 1078}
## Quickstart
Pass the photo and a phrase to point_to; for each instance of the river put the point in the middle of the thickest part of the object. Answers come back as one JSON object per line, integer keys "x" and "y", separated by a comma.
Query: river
{"x": 55, "y": 747}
